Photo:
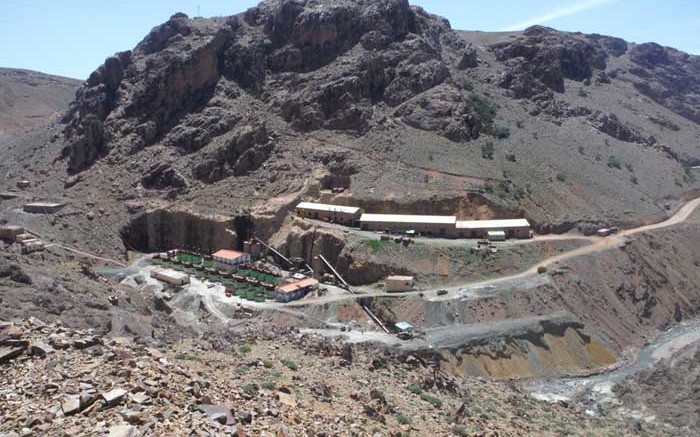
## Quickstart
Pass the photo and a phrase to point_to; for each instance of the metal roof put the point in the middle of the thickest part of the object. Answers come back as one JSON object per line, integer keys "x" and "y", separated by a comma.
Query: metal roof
{"x": 493, "y": 224}
{"x": 229, "y": 254}
{"x": 294, "y": 286}
{"x": 329, "y": 208}
{"x": 399, "y": 278}
{"x": 403, "y": 326}
{"x": 405, "y": 218}
{"x": 44, "y": 204}
{"x": 174, "y": 274}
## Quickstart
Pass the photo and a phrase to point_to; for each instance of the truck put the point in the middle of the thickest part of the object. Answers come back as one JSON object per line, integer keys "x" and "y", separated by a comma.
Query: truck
{"x": 605, "y": 232}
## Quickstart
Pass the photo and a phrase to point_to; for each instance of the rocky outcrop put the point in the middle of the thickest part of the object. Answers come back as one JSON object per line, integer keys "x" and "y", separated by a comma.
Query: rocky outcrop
{"x": 163, "y": 175}
{"x": 14, "y": 273}
{"x": 668, "y": 390}
{"x": 307, "y": 35}
{"x": 134, "y": 96}
{"x": 613, "y": 46}
{"x": 181, "y": 86}
{"x": 161, "y": 230}
{"x": 669, "y": 77}
{"x": 345, "y": 101}
{"x": 542, "y": 58}
{"x": 89, "y": 142}
{"x": 469, "y": 59}
{"x": 442, "y": 110}
{"x": 241, "y": 152}
{"x": 609, "y": 124}
{"x": 649, "y": 55}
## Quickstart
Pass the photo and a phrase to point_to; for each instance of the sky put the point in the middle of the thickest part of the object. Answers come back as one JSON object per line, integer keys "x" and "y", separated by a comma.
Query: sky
{"x": 73, "y": 37}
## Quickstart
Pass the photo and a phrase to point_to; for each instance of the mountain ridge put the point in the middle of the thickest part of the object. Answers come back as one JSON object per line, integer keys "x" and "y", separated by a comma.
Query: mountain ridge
{"x": 289, "y": 99}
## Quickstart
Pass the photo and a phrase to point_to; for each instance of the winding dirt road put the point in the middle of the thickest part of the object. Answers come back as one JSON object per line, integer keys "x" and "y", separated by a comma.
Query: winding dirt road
{"x": 598, "y": 244}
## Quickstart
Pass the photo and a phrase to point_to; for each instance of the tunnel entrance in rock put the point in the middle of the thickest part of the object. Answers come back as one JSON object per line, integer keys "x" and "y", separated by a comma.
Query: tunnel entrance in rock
{"x": 245, "y": 229}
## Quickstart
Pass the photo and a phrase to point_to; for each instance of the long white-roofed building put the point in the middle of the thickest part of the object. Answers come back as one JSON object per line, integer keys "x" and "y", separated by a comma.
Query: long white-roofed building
{"x": 346, "y": 215}
{"x": 436, "y": 225}
{"x": 513, "y": 228}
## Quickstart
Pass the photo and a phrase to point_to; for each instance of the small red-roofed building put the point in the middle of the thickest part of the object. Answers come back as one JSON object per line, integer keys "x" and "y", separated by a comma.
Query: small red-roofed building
{"x": 295, "y": 290}
{"x": 230, "y": 260}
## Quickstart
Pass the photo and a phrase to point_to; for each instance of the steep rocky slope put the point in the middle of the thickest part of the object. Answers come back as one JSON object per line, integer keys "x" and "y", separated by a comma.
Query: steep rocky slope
{"x": 243, "y": 115}
{"x": 669, "y": 391}
{"x": 254, "y": 382}
{"x": 29, "y": 99}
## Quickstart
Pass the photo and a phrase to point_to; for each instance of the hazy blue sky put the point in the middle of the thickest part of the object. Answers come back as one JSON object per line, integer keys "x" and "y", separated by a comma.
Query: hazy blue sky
{"x": 72, "y": 37}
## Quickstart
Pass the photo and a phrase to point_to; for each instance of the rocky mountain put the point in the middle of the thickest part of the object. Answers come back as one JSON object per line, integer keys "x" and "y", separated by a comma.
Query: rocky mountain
{"x": 244, "y": 115}
{"x": 29, "y": 99}
{"x": 212, "y": 129}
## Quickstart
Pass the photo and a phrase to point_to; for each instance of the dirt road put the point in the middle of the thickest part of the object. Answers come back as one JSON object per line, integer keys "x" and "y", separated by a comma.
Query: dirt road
{"x": 597, "y": 245}
{"x": 85, "y": 254}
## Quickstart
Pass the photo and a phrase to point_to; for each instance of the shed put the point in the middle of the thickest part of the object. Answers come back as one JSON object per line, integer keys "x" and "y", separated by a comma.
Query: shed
{"x": 43, "y": 207}
{"x": 171, "y": 276}
{"x": 295, "y": 290}
{"x": 32, "y": 246}
{"x": 346, "y": 215}
{"x": 10, "y": 232}
{"x": 404, "y": 326}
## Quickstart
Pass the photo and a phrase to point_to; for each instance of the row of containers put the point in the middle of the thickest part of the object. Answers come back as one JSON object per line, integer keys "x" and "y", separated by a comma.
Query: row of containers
{"x": 251, "y": 282}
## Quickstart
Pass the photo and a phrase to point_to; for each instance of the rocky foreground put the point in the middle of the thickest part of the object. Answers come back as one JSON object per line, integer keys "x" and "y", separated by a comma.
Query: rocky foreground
{"x": 62, "y": 382}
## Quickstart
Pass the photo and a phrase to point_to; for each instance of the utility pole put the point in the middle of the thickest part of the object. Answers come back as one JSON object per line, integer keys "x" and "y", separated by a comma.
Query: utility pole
{"x": 199, "y": 14}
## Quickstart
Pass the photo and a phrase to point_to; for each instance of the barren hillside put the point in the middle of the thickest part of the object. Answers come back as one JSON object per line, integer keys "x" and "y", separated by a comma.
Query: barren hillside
{"x": 243, "y": 115}
{"x": 210, "y": 131}
{"x": 29, "y": 99}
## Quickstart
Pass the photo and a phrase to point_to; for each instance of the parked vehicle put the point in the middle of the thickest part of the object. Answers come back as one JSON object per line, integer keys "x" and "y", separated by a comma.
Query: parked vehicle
{"x": 604, "y": 232}
{"x": 404, "y": 335}
{"x": 441, "y": 292}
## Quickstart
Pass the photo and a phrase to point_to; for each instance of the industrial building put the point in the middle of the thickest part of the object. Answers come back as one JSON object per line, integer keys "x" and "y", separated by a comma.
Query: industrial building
{"x": 346, "y": 215}
{"x": 253, "y": 247}
{"x": 430, "y": 225}
{"x": 230, "y": 260}
{"x": 171, "y": 276}
{"x": 512, "y": 228}
{"x": 295, "y": 290}
{"x": 393, "y": 284}
{"x": 43, "y": 207}
{"x": 434, "y": 225}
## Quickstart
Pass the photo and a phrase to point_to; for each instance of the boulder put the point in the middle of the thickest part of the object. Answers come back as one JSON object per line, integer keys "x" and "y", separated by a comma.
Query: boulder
{"x": 114, "y": 396}
{"x": 122, "y": 431}
{"x": 9, "y": 352}
{"x": 70, "y": 405}
{"x": 469, "y": 59}
{"x": 40, "y": 349}
{"x": 545, "y": 57}
{"x": 220, "y": 413}
{"x": 84, "y": 343}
